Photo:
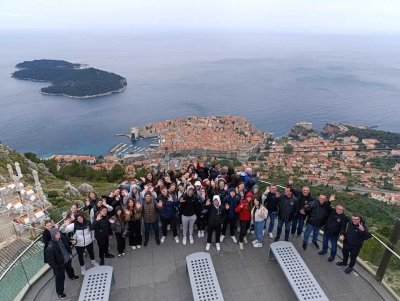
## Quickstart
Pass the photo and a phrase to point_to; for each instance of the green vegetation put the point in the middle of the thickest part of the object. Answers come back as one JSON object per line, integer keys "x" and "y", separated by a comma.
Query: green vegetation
{"x": 386, "y": 139}
{"x": 384, "y": 164}
{"x": 69, "y": 79}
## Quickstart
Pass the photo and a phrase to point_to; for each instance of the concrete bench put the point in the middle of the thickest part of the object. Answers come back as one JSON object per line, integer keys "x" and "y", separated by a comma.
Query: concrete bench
{"x": 203, "y": 279}
{"x": 96, "y": 285}
{"x": 303, "y": 283}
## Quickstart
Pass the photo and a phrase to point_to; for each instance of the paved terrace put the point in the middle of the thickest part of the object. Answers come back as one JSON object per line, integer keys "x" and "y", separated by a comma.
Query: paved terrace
{"x": 159, "y": 273}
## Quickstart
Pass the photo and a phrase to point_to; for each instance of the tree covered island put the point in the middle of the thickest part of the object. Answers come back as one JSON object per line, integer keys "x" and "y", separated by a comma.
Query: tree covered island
{"x": 68, "y": 79}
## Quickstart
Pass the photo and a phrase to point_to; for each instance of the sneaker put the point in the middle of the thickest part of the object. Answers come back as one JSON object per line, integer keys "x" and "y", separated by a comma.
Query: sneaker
{"x": 133, "y": 247}
{"x": 341, "y": 263}
{"x": 217, "y": 245}
{"x": 221, "y": 238}
{"x": 321, "y": 253}
{"x": 109, "y": 255}
{"x": 191, "y": 239}
{"x": 208, "y": 247}
{"x": 184, "y": 240}
{"x": 62, "y": 296}
{"x": 83, "y": 270}
{"x": 252, "y": 232}
{"x": 202, "y": 233}
{"x": 123, "y": 253}
{"x": 245, "y": 240}
{"x": 94, "y": 263}
{"x": 257, "y": 245}
{"x": 271, "y": 235}
{"x": 119, "y": 255}
{"x": 241, "y": 246}
{"x": 348, "y": 270}
{"x": 234, "y": 239}
{"x": 330, "y": 259}
{"x": 76, "y": 277}
{"x": 316, "y": 245}
{"x": 199, "y": 233}
{"x": 163, "y": 239}
{"x": 254, "y": 241}
{"x": 138, "y": 246}
{"x": 177, "y": 239}
{"x": 304, "y": 246}
{"x": 276, "y": 239}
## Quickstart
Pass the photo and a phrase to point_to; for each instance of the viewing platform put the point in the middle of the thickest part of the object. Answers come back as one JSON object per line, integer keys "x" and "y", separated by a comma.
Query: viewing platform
{"x": 158, "y": 272}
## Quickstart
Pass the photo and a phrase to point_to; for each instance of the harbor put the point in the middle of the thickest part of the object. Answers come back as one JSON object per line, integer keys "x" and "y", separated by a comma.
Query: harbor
{"x": 136, "y": 146}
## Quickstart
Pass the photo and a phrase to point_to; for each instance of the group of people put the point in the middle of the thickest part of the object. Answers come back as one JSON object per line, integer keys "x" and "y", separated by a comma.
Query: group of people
{"x": 210, "y": 198}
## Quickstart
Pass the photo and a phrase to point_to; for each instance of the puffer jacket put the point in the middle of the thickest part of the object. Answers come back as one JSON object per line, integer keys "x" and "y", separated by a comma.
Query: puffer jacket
{"x": 82, "y": 233}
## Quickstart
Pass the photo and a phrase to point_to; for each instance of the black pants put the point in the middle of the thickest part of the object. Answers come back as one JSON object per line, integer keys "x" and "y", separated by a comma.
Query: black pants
{"x": 352, "y": 252}
{"x": 201, "y": 222}
{"x": 121, "y": 242}
{"x": 232, "y": 225}
{"x": 147, "y": 227}
{"x": 172, "y": 222}
{"x": 80, "y": 251}
{"x": 135, "y": 232}
{"x": 59, "y": 275}
{"x": 103, "y": 249}
{"x": 244, "y": 226}
{"x": 211, "y": 229}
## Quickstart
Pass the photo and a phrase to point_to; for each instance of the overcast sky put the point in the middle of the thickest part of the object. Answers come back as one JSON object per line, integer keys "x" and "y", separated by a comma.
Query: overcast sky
{"x": 333, "y": 16}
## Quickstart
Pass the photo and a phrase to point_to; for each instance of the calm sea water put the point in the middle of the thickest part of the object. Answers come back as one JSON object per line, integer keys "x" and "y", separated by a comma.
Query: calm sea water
{"x": 272, "y": 80}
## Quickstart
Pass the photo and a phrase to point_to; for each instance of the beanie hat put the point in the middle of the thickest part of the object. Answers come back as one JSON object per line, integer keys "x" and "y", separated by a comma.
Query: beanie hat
{"x": 188, "y": 188}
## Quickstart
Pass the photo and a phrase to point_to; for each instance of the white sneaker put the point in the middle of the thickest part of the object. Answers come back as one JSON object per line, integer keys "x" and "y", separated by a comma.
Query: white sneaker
{"x": 162, "y": 239}
{"x": 138, "y": 246}
{"x": 241, "y": 246}
{"x": 234, "y": 239}
{"x": 94, "y": 263}
{"x": 191, "y": 239}
{"x": 254, "y": 241}
{"x": 83, "y": 270}
{"x": 221, "y": 238}
{"x": 133, "y": 247}
{"x": 271, "y": 235}
{"x": 257, "y": 245}
{"x": 217, "y": 245}
{"x": 199, "y": 233}
{"x": 245, "y": 240}
{"x": 208, "y": 247}
{"x": 184, "y": 240}
{"x": 177, "y": 239}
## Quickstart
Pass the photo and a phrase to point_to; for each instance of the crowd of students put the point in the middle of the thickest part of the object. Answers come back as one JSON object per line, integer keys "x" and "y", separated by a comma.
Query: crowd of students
{"x": 210, "y": 199}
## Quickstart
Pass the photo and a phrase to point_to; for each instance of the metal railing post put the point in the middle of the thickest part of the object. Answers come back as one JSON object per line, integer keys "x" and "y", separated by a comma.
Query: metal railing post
{"x": 394, "y": 237}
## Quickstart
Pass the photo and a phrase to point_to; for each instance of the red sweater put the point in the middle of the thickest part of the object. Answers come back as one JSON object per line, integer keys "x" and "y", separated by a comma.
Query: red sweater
{"x": 244, "y": 214}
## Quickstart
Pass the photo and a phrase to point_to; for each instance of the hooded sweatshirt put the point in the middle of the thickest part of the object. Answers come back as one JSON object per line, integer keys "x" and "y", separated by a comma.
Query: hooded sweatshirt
{"x": 215, "y": 213}
{"x": 245, "y": 210}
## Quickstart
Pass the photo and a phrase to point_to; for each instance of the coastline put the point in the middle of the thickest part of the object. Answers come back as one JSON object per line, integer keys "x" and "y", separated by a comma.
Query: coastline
{"x": 86, "y": 96}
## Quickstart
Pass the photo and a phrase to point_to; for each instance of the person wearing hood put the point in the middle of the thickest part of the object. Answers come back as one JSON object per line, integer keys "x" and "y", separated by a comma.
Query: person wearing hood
{"x": 244, "y": 210}
{"x": 58, "y": 256}
{"x": 216, "y": 213}
{"x": 80, "y": 228}
{"x": 188, "y": 206}
{"x": 232, "y": 199}
{"x": 355, "y": 234}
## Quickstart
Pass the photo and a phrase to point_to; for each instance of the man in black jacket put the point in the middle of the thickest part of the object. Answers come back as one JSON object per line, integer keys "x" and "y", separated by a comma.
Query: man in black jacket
{"x": 318, "y": 212}
{"x": 288, "y": 207}
{"x": 271, "y": 199}
{"x": 102, "y": 227}
{"x": 354, "y": 237}
{"x": 335, "y": 225}
{"x": 58, "y": 256}
{"x": 304, "y": 197}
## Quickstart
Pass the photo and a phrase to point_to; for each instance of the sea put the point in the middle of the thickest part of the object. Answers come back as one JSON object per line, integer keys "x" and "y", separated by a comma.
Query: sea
{"x": 274, "y": 80}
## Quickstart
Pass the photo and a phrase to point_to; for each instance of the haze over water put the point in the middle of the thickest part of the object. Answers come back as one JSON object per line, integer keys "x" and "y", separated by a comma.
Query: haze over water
{"x": 272, "y": 80}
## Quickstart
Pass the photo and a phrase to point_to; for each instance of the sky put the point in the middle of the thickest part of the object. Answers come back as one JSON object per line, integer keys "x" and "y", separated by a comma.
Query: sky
{"x": 304, "y": 16}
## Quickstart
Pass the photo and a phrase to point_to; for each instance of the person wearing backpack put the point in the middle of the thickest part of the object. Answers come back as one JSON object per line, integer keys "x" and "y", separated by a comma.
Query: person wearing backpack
{"x": 81, "y": 238}
{"x": 353, "y": 240}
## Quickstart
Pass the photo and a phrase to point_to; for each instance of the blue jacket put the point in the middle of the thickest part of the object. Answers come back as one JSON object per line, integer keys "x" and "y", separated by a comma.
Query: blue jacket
{"x": 233, "y": 202}
{"x": 168, "y": 209}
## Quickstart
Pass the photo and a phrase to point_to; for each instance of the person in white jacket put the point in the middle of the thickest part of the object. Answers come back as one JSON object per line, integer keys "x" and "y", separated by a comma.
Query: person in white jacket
{"x": 258, "y": 216}
{"x": 82, "y": 237}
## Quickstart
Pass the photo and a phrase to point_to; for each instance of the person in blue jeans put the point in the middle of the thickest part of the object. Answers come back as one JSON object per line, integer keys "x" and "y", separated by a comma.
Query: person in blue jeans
{"x": 304, "y": 197}
{"x": 270, "y": 198}
{"x": 258, "y": 215}
{"x": 318, "y": 212}
{"x": 287, "y": 210}
{"x": 335, "y": 226}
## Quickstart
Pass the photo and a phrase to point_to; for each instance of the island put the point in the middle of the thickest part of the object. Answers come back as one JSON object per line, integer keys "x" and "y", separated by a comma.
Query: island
{"x": 68, "y": 79}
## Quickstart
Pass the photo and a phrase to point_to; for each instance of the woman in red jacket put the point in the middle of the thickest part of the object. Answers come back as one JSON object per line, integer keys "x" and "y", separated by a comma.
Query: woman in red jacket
{"x": 244, "y": 211}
